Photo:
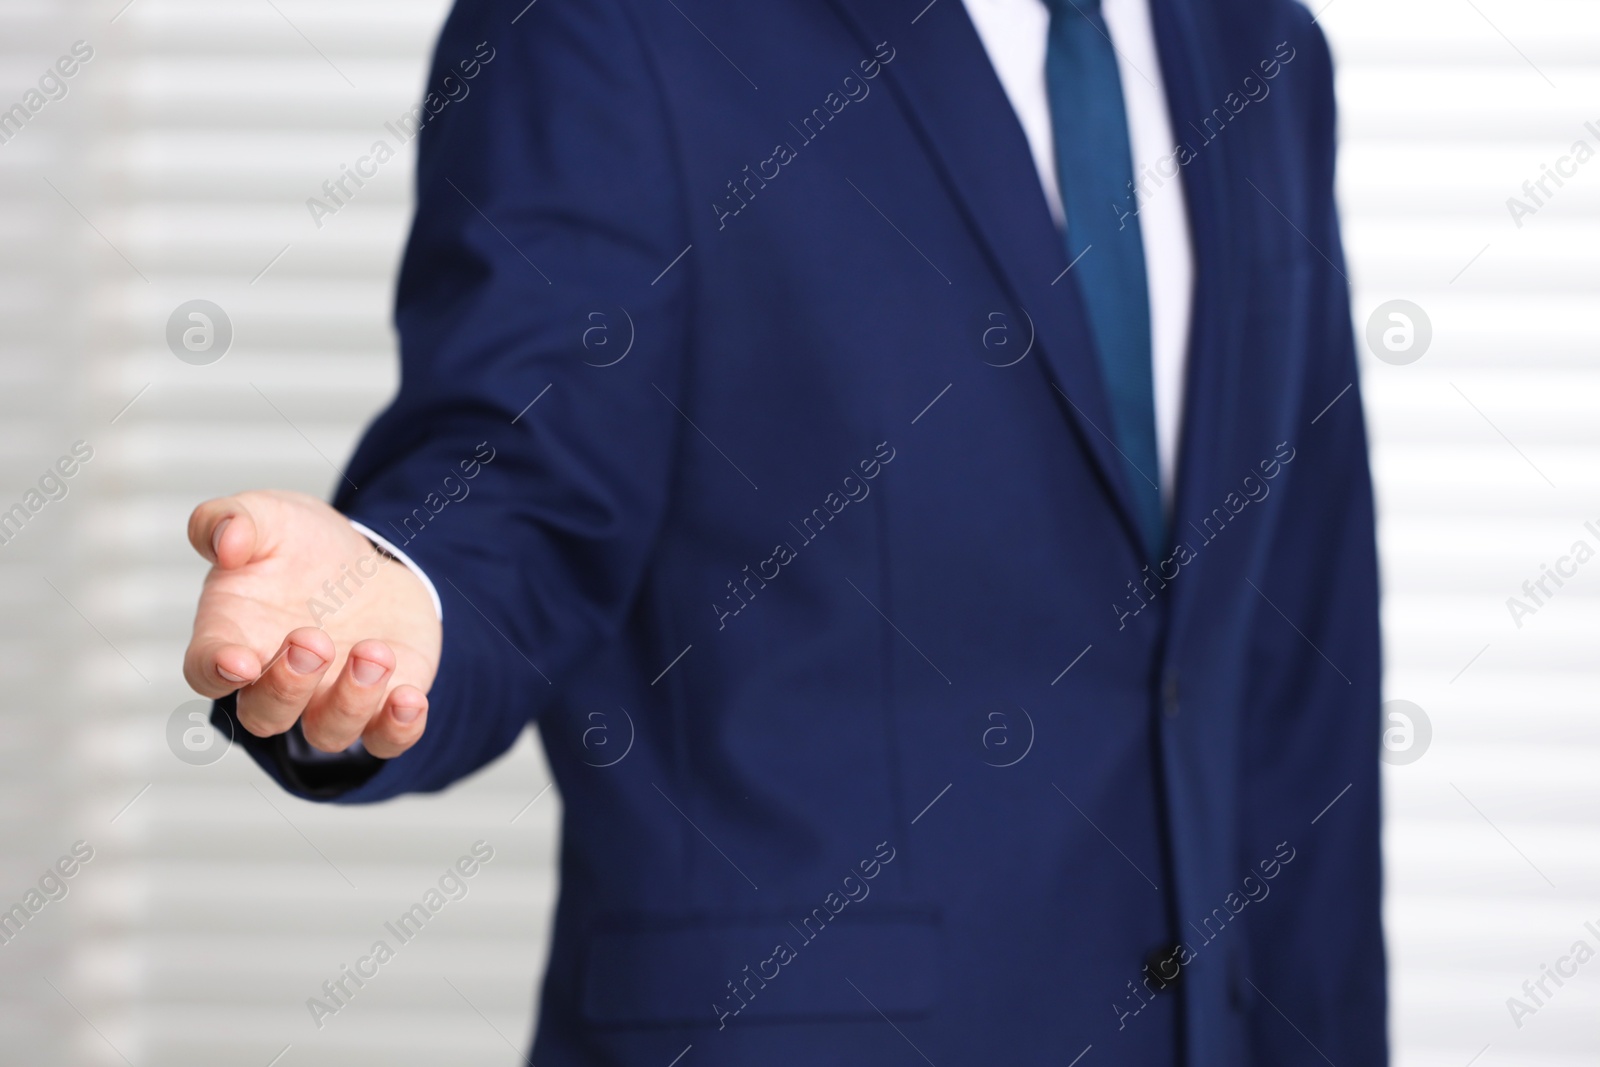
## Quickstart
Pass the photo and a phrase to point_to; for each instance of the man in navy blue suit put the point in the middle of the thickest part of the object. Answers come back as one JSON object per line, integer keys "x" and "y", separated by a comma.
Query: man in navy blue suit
{"x": 922, "y": 440}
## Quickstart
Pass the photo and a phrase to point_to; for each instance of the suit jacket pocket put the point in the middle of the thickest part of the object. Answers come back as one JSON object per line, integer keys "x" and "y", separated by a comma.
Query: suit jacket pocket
{"x": 721, "y": 970}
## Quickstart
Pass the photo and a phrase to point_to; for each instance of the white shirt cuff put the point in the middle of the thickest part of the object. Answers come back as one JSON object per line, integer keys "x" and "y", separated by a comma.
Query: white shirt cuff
{"x": 388, "y": 546}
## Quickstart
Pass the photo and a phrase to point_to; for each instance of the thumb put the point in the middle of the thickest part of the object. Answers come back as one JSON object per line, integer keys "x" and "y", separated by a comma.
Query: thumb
{"x": 224, "y": 532}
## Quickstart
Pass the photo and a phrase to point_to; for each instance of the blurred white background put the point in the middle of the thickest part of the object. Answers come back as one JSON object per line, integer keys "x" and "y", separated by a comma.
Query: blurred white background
{"x": 177, "y": 167}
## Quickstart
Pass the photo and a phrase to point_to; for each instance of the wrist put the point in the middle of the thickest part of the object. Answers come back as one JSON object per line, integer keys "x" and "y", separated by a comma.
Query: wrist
{"x": 393, "y": 553}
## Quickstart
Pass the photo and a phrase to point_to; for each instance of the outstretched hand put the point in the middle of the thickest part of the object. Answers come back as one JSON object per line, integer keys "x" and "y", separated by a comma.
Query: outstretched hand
{"x": 307, "y": 620}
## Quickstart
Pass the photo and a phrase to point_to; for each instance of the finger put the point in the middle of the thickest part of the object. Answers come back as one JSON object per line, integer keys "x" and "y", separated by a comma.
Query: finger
{"x": 272, "y": 703}
{"x": 399, "y": 725}
{"x": 219, "y": 658}
{"x": 216, "y": 666}
{"x": 339, "y": 715}
{"x": 224, "y": 532}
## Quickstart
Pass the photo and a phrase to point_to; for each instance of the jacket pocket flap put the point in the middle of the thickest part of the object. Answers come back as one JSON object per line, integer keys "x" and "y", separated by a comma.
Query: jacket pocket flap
{"x": 712, "y": 970}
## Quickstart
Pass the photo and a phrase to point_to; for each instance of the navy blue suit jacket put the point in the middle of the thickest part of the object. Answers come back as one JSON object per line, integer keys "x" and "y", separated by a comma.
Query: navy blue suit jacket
{"x": 751, "y": 432}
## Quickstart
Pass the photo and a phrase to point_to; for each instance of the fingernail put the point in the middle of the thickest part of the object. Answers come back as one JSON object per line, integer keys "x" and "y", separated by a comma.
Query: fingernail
{"x": 303, "y": 660}
{"x": 366, "y": 671}
{"x": 229, "y": 676}
{"x": 406, "y": 713}
{"x": 216, "y": 535}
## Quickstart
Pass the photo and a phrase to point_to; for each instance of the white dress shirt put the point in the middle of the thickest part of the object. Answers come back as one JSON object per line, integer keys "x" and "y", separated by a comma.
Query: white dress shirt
{"x": 1014, "y": 34}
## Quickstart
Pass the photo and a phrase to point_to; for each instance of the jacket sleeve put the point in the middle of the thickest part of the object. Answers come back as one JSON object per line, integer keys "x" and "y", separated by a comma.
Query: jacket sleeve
{"x": 1310, "y": 761}
{"x": 523, "y": 465}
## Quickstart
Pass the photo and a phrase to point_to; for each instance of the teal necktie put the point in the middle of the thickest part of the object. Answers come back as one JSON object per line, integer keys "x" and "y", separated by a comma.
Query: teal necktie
{"x": 1094, "y": 167}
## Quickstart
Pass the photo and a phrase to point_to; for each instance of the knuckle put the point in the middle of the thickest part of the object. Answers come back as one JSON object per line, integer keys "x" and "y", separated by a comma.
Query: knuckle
{"x": 327, "y": 734}
{"x": 340, "y": 720}
{"x": 255, "y": 723}
{"x": 271, "y": 703}
{"x": 402, "y": 733}
{"x": 393, "y": 741}
{"x": 345, "y": 707}
{"x": 321, "y": 740}
{"x": 281, "y": 689}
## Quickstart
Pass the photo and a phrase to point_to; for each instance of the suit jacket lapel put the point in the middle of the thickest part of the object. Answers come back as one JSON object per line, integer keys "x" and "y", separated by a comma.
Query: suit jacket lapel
{"x": 944, "y": 82}
{"x": 1210, "y": 410}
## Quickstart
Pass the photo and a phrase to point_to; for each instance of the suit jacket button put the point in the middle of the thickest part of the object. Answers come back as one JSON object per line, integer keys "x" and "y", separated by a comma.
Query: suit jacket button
{"x": 1163, "y": 968}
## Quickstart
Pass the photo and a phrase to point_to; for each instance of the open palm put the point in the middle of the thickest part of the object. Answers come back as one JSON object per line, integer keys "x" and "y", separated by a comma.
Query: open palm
{"x": 307, "y": 620}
